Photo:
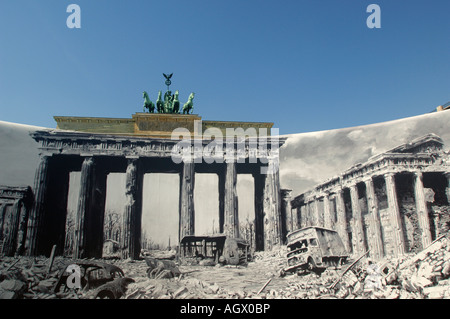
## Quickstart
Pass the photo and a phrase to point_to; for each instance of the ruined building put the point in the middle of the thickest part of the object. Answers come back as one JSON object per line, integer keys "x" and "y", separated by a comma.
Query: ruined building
{"x": 395, "y": 203}
{"x": 143, "y": 144}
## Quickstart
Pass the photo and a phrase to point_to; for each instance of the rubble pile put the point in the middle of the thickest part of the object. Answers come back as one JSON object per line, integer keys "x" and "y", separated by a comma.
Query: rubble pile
{"x": 421, "y": 276}
{"x": 30, "y": 278}
{"x": 425, "y": 275}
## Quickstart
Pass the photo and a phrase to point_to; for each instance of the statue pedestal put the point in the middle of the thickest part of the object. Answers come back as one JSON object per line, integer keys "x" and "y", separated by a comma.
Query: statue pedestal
{"x": 162, "y": 125}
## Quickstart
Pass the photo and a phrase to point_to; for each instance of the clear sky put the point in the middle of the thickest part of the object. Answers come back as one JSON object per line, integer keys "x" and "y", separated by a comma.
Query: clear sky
{"x": 304, "y": 65}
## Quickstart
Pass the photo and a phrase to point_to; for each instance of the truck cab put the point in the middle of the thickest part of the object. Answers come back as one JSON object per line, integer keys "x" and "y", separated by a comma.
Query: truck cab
{"x": 311, "y": 248}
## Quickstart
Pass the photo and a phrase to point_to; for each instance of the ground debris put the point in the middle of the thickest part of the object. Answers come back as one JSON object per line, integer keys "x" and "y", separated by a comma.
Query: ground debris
{"x": 425, "y": 275}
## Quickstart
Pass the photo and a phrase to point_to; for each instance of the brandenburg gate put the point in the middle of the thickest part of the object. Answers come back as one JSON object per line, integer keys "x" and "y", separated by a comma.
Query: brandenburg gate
{"x": 146, "y": 144}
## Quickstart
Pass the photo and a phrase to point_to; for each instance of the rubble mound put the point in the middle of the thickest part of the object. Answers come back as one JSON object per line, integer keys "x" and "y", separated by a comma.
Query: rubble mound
{"x": 425, "y": 275}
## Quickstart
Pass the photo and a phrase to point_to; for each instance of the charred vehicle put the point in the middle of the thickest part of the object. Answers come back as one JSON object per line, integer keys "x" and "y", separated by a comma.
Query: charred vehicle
{"x": 94, "y": 279}
{"x": 218, "y": 248}
{"x": 313, "y": 248}
{"x": 158, "y": 269}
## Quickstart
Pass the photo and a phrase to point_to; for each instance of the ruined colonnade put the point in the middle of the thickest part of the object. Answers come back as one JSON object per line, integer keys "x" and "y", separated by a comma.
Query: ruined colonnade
{"x": 95, "y": 156}
{"x": 383, "y": 205}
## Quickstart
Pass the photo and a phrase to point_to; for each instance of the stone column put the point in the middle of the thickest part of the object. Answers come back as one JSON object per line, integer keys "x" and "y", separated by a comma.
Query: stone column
{"x": 303, "y": 215}
{"x": 295, "y": 219}
{"x": 311, "y": 214}
{"x": 316, "y": 212}
{"x": 259, "y": 180}
{"x": 342, "y": 219}
{"x": 327, "y": 217}
{"x": 84, "y": 207}
{"x": 231, "y": 217}
{"x": 375, "y": 223}
{"x": 306, "y": 216}
{"x": 187, "y": 209}
{"x": 2, "y": 219}
{"x": 131, "y": 219}
{"x": 272, "y": 207}
{"x": 221, "y": 191}
{"x": 398, "y": 237}
{"x": 422, "y": 209}
{"x": 35, "y": 219}
{"x": 10, "y": 235}
{"x": 22, "y": 228}
{"x": 286, "y": 212}
{"x": 447, "y": 175}
{"x": 357, "y": 220}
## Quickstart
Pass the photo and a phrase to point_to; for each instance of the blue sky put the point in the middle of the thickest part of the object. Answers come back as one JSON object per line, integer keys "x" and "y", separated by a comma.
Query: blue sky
{"x": 304, "y": 65}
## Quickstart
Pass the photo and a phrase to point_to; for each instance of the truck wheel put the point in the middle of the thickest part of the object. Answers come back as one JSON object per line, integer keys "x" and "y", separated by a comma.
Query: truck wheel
{"x": 105, "y": 294}
{"x": 311, "y": 264}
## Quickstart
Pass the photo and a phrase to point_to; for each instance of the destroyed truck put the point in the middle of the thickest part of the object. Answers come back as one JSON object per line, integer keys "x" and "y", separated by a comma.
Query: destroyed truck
{"x": 215, "y": 249}
{"x": 314, "y": 248}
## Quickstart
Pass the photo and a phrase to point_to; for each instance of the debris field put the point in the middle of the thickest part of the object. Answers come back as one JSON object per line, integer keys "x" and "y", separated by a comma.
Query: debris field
{"x": 425, "y": 275}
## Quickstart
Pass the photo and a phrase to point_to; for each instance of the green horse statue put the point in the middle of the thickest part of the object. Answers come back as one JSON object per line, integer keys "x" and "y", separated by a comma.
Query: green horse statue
{"x": 148, "y": 104}
{"x": 176, "y": 103}
{"x": 189, "y": 105}
{"x": 160, "y": 103}
{"x": 168, "y": 102}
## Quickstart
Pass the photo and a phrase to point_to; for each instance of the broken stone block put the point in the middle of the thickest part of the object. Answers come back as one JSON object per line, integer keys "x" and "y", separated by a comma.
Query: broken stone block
{"x": 301, "y": 295}
{"x": 436, "y": 292}
{"x": 425, "y": 270}
{"x": 13, "y": 285}
{"x": 207, "y": 262}
{"x": 446, "y": 269}
{"x": 395, "y": 294}
{"x": 358, "y": 288}
{"x": 420, "y": 282}
{"x": 181, "y": 291}
{"x": 46, "y": 285}
{"x": 5, "y": 294}
{"x": 391, "y": 278}
{"x": 240, "y": 294}
{"x": 214, "y": 288}
{"x": 408, "y": 286}
{"x": 437, "y": 268}
{"x": 350, "y": 279}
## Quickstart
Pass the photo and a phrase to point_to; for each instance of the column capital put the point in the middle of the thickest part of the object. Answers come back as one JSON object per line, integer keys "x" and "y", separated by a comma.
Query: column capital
{"x": 418, "y": 173}
{"x": 286, "y": 193}
{"x": 367, "y": 179}
{"x": 44, "y": 156}
{"x": 389, "y": 174}
{"x": 88, "y": 160}
{"x": 339, "y": 191}
{"x": 353, "y": 186}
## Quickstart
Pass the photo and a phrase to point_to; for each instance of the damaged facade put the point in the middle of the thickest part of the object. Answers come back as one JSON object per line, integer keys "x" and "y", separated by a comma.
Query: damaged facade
{"x": 96, "y": 155}
{"x": 395, "y": 203}
{"x": 15, "y": 204}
